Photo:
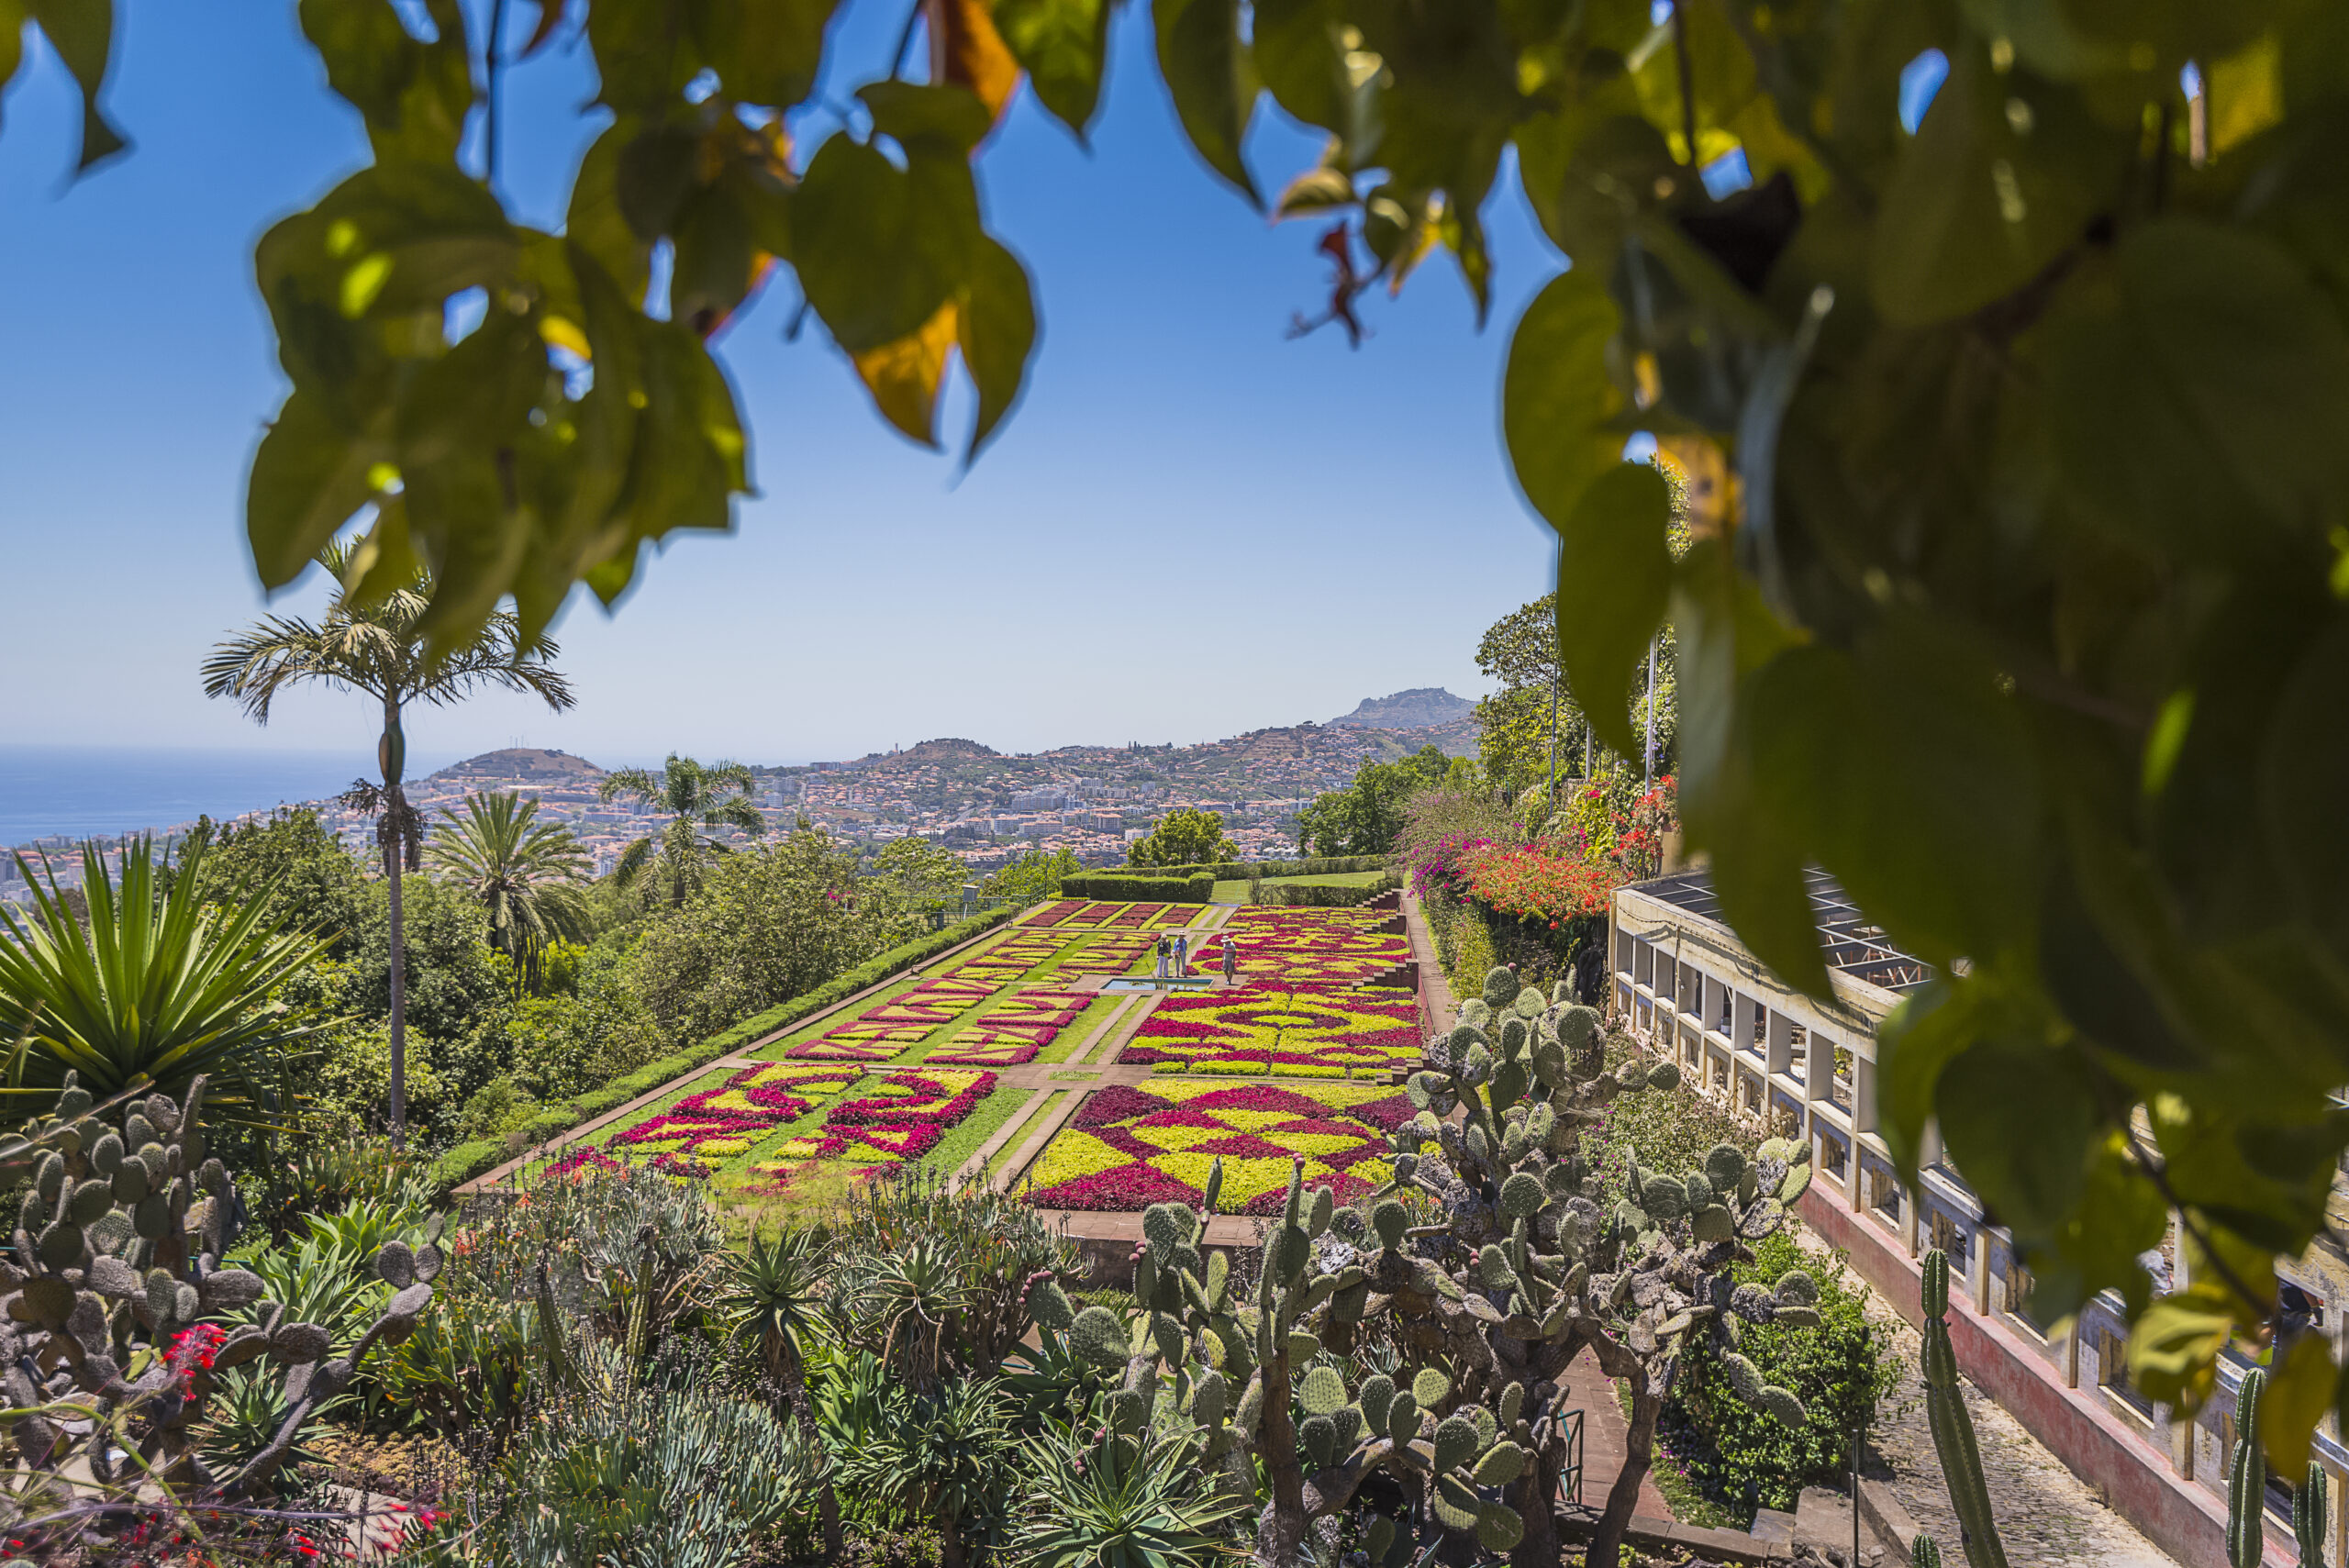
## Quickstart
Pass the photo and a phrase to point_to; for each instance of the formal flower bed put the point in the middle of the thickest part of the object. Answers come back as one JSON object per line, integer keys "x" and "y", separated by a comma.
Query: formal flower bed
{"x": 861, "y": 1041}
{"x": 1269, "y": 1032}
{"x": 1128, "y": 1148}
{"x": 1053, "y": 914}
{"x": 898, "y": 1115}
{"x": 1303, "y": 946}
{"x": 1107, "y": 955}
{"x": 906, "y": 1119}
{"x": 1039, "y": 1007}
{"x": 724, "y": 1121}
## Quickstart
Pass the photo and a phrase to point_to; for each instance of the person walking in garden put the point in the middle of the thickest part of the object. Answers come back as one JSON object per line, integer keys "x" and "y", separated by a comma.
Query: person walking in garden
{"x": 1181, "y": 957}
{"x": 1230, "y": 960}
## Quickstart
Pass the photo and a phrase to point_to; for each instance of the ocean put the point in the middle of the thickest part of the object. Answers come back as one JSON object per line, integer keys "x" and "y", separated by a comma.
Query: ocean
{"x": 84, "y": 790}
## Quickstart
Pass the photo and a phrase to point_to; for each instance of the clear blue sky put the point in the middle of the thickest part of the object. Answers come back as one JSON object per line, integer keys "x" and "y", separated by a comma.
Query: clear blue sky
{"x": 1190, "y": 527}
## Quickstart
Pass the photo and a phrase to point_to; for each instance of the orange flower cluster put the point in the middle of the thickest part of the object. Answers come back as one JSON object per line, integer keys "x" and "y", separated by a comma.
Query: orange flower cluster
{"x": 1530, "y": 883}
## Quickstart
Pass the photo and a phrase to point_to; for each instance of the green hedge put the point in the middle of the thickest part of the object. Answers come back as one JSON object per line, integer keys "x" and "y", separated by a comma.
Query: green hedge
{"x": 1321, "y": 895}
{"x": 1229, "y": 871}
{"x": 467, "y": 1160}
{"x": 1137, "y": 887}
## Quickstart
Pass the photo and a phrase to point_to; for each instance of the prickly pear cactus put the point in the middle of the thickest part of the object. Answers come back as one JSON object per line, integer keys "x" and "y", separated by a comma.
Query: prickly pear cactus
{"x": 113, "y": 1286}
{"x": 1953, "y": 1429}
{"x": 1522, "y": 1264}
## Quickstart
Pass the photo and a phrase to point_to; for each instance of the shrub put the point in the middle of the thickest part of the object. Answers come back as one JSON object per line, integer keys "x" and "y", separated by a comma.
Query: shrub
{"x": 1136, "y": 887}
{"x": 1320, "y": 896}
{"x": 1671, "y": 1132}
{"x": 467, "y": 1160}
{"x": 1311, "y": 865}
{"x": 1736, "y": 1451}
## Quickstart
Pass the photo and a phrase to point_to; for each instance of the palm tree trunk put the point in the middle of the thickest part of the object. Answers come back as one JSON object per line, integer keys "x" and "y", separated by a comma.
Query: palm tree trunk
{"x": 391, "y": 753}
{"x": 398, "y": 1110}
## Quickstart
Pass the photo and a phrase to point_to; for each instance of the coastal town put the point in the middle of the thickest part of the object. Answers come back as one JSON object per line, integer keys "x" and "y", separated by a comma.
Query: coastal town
{"x": 984, "y": 805}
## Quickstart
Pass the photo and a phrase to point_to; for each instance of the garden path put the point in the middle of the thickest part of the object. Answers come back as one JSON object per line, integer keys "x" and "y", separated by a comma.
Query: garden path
{"x": 1605, "y": 1434}
{"x": 2048, "y": 1518}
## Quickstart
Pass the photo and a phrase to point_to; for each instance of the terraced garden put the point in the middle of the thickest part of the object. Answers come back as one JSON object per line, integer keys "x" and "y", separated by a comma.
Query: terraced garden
{"x": 1009, "y": 1062}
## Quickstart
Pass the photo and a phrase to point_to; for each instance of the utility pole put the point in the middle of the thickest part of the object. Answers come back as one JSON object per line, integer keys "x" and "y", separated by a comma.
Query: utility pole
{"x": 1554, "y": 743}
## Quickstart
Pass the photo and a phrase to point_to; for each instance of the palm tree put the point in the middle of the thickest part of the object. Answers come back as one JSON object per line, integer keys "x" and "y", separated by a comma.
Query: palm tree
{"x": 380, "y": 647}
{"x": 157, "y": 986}
{"x": 694, "y": 798}
{"x": 775, "y": 1295}
{"x": 527, "y": 876}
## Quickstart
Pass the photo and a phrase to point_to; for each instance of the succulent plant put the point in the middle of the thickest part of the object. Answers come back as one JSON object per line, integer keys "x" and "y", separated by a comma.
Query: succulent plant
{"x": 1953, "y": 1429}
{"x": 1525, "y": 1267}
{"x": 2307, "y": 1517}
{"x": 109, "y": 1287}
{"x": 2247, "y": 1477}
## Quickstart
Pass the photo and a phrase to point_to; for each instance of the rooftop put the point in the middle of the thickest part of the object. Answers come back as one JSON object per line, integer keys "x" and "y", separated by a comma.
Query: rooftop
{"x": 1851, "y": 943}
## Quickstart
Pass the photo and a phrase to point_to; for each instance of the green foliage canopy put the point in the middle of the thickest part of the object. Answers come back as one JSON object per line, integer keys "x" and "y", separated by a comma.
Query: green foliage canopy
{"x": 1185, "y": 837}
{"x": 1366, "y": 817}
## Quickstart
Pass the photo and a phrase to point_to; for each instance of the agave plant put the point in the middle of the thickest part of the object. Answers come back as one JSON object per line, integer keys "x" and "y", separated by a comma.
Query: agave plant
{"x": 156, "y": 989}
{"x": 1111, "y": 1504}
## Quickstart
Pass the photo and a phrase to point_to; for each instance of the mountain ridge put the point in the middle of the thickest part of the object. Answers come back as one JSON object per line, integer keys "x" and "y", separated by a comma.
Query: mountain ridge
{"x": 1416, "y": 708}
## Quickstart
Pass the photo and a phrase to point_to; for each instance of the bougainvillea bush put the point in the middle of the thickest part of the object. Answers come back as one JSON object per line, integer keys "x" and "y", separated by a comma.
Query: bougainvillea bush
{"x": 1128, "y": 1147}
{"x": 1262, "y": 1031}
{"x": 1536, "y": 882}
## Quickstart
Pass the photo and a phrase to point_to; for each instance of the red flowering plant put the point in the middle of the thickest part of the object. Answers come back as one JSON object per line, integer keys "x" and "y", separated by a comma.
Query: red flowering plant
{"x": 1536, "y": 882}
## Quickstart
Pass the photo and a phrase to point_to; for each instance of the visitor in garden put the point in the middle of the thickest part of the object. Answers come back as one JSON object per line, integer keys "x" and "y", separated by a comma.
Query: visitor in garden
{"x": 1181, "y": 957}
{"x": 1230, "y": 961}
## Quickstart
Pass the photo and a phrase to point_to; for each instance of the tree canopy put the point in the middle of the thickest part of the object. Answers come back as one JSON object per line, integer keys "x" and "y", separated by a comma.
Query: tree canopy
{"x": 1183, "y": 837}
{"x": 1366, "y": 817}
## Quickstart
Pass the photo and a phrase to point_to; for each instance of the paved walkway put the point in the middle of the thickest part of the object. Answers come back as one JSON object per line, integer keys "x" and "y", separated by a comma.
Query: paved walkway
{"x": 1605, "y": 1434}
{"x": 2048, "y": 1518}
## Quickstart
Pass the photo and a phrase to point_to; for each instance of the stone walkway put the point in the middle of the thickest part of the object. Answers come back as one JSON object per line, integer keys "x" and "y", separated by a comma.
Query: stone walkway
{"x": 2048, "y": 1518}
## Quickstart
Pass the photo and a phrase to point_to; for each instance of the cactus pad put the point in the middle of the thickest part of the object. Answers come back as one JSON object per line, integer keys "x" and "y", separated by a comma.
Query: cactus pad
{"x": 1502, "y": 1464}
{"x": 1797, "y": 1182}
{"x": 1454, "y": 1502}
{"x": 1500, "y": 987}
{"x": 1744, "y": 1377}
{"x": 1663, "y": 1197}
{"x": 1403, "y": 1417}
{"x": 1429, "y": 1386}
{"x": 1097, "y": 1335}
{"x": 1782, "y": 1404}
{"x": 1664, "y": 1075}
{"x": 1498, "y": 1528}
{"x": 1377, "y": 1394}
{"x": 1324, "y": 1391}
{"x": 1166, "y": 1226}
{"x": 1711, "y": 1223}
{"x": 1523, "y": 1195}
{"x": 1723, "y": 1166}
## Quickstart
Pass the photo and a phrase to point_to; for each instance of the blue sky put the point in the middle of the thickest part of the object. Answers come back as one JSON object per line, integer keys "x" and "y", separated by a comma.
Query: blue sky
{"x": 1190, "y": 527}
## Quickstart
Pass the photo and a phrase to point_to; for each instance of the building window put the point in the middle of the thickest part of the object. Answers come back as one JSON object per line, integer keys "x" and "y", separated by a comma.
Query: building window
{"x": 2112, "y": 1374}
{"x": 1954, "y": 1238}
{"x": 1833, "y": 1158}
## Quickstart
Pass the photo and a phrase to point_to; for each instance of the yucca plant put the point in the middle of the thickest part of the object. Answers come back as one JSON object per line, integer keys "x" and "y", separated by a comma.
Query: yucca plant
{"x": 157, "y": 988}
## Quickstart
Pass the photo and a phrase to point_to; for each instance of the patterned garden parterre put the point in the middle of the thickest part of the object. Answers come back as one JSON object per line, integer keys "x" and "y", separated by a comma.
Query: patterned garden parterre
{"x": 1303, "y": 947}
{"x": 1128, "y": 1148}
{"x": 1262, "y": 1031}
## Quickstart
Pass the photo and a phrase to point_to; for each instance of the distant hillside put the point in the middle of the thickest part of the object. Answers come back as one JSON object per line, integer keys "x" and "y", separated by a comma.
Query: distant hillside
{"x": 1414, "y": 709}
{"x": 945, "y": 748}
{"x": 538, "y": 767}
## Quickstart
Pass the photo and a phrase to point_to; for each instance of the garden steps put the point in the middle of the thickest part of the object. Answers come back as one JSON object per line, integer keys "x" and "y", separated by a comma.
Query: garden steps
{"x": 1605, "y": 1436}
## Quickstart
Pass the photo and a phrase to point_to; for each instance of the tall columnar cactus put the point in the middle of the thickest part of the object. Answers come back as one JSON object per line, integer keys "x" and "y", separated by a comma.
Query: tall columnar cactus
{"x": 1953, "y": 1429}
{"x": 1924, "y": 1553}
{"x": 2247, "y": 1477}
{"x": 2307, "y": 1517}
{"x": 1522, "y": 1264}
{"x": 105, "y": 1292}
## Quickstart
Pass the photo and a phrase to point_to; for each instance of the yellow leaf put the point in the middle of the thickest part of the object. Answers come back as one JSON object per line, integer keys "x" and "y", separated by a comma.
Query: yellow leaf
{"x": 2299, "y": 1391}
{"x": 965, "y": 49}
{"x": 1316, "y": 190}
{"x": 561, "y": 333}
{"x": 2173, "y": 1348}
{"x": 2244, "y": 94}
{"x": 903, "y": 376}
{"x": 1709, "y": 488}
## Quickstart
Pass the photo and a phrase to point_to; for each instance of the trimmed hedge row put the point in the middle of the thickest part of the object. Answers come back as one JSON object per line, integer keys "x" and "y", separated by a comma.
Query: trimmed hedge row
{"x": 1321, "y": 895}
{"x": 1137, "y": 887}
{"x": 467, "y": 1160}
{"x": 1229, "y": 871}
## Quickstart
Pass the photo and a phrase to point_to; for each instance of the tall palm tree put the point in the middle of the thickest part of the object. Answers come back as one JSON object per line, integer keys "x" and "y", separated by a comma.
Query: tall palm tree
{"x": 527, "y": 875}
{"x": 156, "y": 987}
{"x": 695, "y": 799}
{"x": 379, "y": 647}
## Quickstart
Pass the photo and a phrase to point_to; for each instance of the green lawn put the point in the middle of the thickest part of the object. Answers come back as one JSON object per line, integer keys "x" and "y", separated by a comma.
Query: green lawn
{"x": 1236, "y": 891}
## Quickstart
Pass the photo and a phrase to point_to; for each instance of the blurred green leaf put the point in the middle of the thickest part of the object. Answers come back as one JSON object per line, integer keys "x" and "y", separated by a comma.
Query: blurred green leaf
{"x": 414, "y": 95}
{"x": 765, "y": 51}
{"x": 998, "y": 337}
{"x": 2020, "y": 1118}
{"x": 1560, "y": 409}
{"x": 82, "y": 32}
{"x": 1212, "y": 76}
{"x": 1063, "y": 46}
{"x": 880, "y": 248}
{"x": 308, "y": 479}
{"x": 1614, "y": 577}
